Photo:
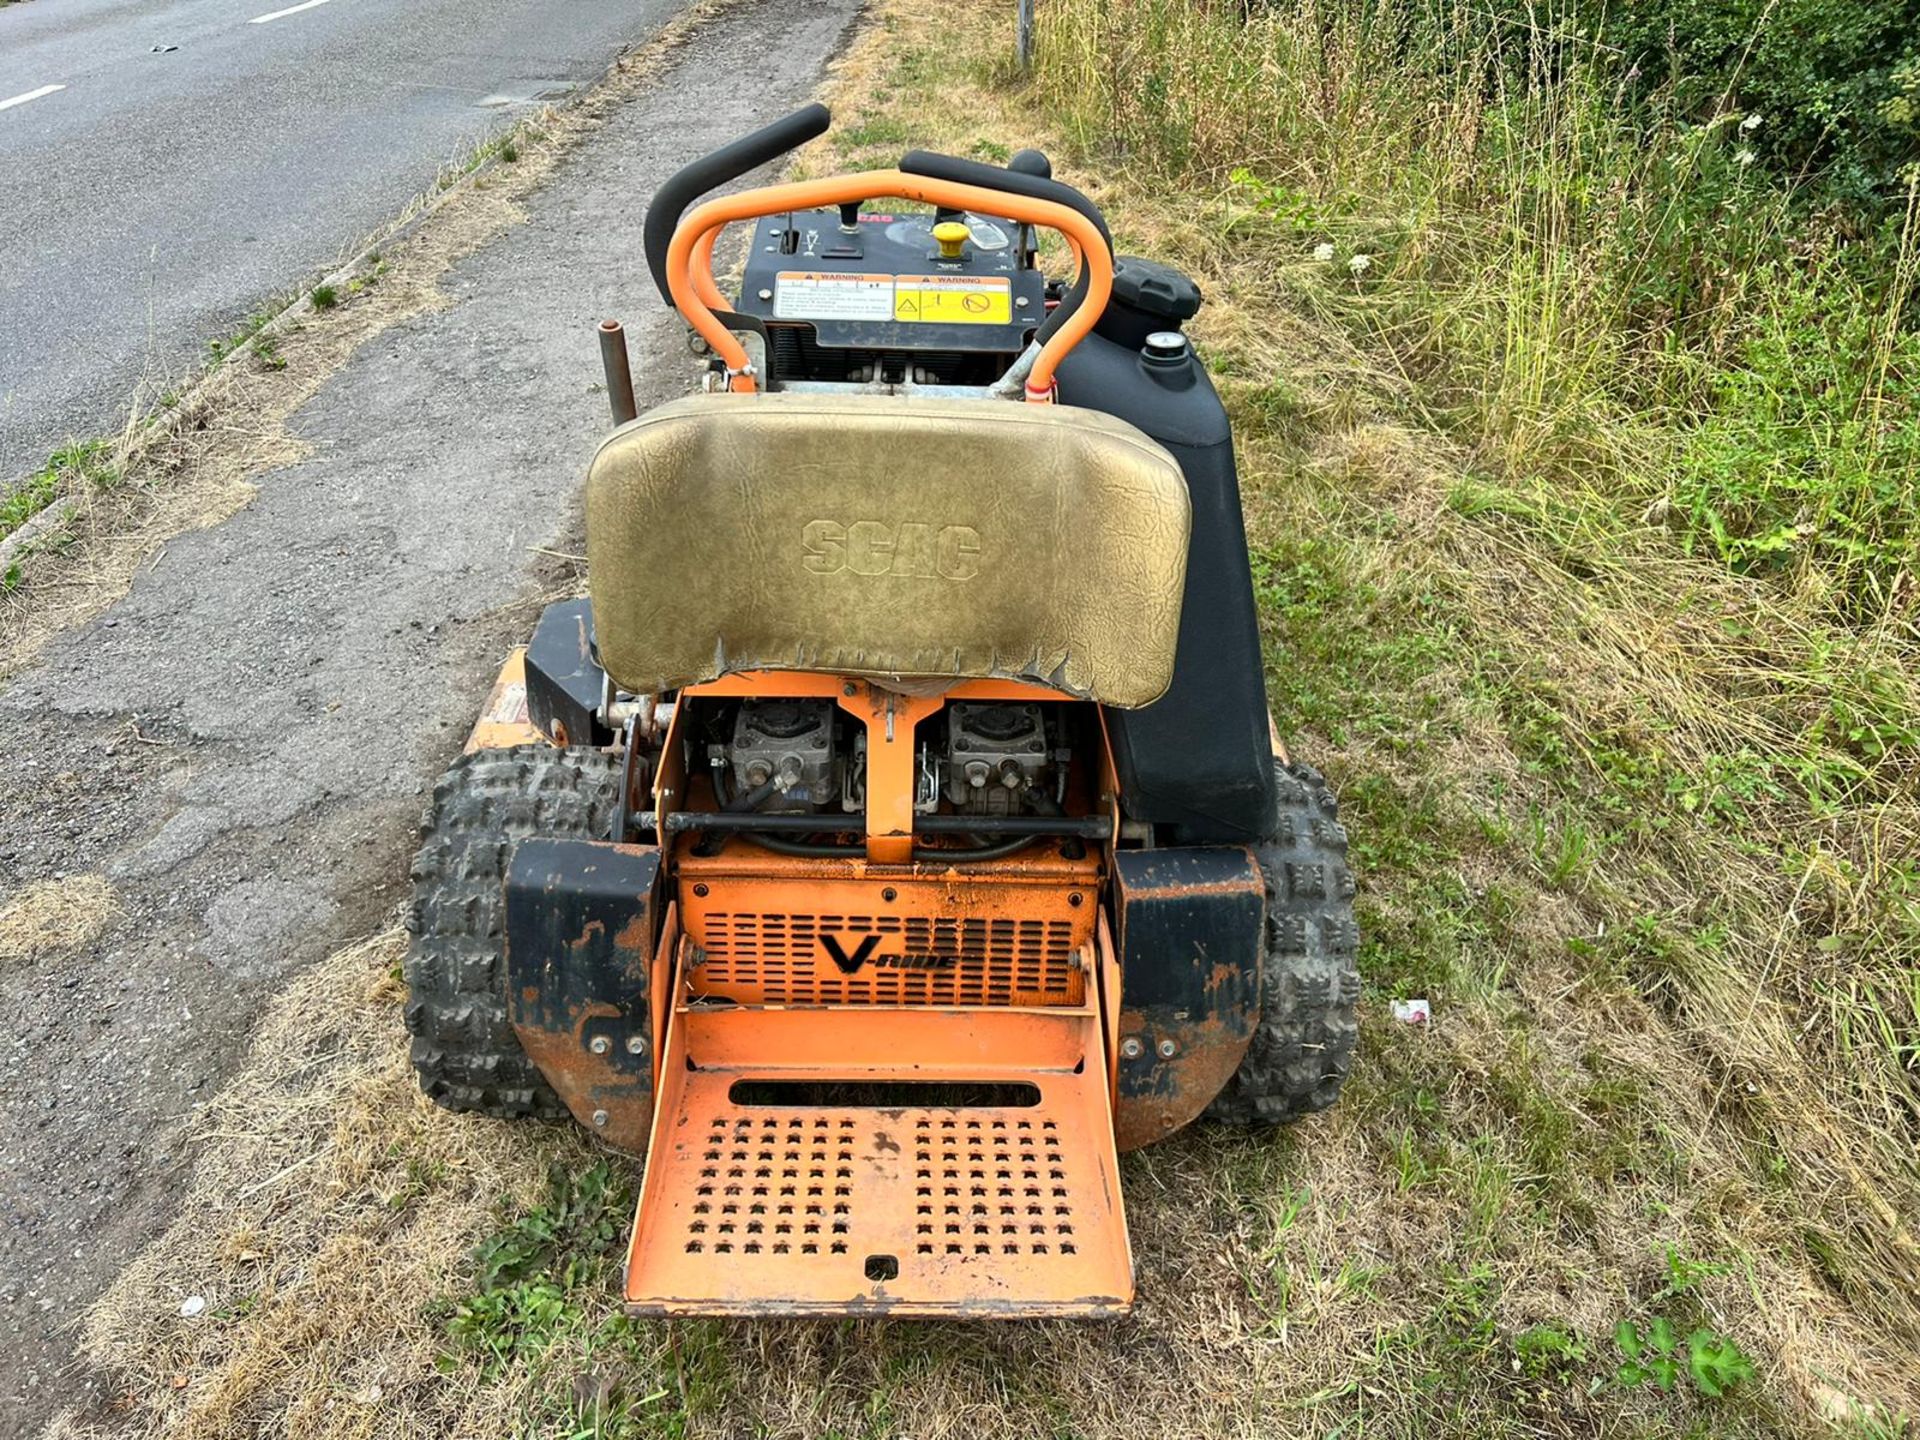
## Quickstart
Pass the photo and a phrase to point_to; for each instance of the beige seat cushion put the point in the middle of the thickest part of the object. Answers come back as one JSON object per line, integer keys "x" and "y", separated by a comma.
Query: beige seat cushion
{"x": 896, "y": 539}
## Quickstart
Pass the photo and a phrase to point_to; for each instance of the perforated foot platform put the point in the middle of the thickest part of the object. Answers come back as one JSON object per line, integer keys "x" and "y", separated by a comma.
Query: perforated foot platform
{"x": 979, "y": 1180}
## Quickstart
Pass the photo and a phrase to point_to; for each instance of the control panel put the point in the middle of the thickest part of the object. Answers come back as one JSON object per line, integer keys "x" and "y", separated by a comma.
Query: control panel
{"x": 893, "y": 284}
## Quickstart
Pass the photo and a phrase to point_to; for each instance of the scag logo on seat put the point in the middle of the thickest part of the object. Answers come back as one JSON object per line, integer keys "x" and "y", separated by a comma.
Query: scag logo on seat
{"x": 872, "y": 547}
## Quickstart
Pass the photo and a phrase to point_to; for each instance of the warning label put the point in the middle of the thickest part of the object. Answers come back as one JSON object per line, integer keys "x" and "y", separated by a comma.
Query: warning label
{"x": 821, "y": 295}
{"x": 954, "y": 299}
{"x": 926, "y": 299}
{"x": 510, "y": 707}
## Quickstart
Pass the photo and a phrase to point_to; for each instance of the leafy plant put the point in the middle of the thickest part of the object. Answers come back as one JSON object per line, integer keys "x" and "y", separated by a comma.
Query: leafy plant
{"x": 1714, "y": 1362}
{"x": 535, "y": 1277}
{"x": 1649, "y": 1356}
{"x": 1292, "y": 208}
{"x": 1844, "y": 108}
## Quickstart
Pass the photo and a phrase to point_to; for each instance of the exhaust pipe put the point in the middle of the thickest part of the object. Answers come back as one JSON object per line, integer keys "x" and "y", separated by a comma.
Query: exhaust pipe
{"x": 613, "y": 359}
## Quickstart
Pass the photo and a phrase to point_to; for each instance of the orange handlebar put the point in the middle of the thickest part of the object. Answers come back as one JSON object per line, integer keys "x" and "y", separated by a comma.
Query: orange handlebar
{"x": 690, "y": 256}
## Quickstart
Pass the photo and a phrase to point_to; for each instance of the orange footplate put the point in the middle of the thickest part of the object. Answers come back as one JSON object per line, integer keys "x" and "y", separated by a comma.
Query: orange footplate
{"x": 798, "y": 1167}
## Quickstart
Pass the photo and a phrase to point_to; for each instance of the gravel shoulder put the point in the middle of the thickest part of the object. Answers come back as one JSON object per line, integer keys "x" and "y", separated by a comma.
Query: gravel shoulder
{"x": 240, "y": 746}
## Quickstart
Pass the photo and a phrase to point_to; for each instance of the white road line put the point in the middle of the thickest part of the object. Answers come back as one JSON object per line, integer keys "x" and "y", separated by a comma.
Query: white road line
{"x": 30, "y": 95}
{"x": 290, "y": 10}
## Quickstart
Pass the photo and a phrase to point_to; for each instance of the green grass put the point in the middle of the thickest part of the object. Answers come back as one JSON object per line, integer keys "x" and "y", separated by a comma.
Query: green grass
{"x": 1590, "y": 304}
{"x": 251, "y": 337}
{"x": 22, "y": 504}
{"x": 505, "y": 148}
{"x": 84, "y": 463}
{"x": 871, "y": 133}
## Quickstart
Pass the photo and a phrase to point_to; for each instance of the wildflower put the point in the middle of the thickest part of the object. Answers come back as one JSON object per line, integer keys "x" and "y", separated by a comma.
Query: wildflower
{"x": 1744, "y": 157}
{"x": 1750, "y": 124}
{"x": 1359, "y": 263}
{"x": 1323, "y": 252}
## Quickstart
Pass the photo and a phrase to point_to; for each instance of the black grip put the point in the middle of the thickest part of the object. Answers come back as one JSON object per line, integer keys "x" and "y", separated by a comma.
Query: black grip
{"x": 1031, "y": 162}
{"x": 729, "y": 162}
{"x": 1013, "y": 182}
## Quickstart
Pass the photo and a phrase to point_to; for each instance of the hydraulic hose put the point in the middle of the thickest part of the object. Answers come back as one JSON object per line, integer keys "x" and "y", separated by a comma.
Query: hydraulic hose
{"x": 754, "y": 798}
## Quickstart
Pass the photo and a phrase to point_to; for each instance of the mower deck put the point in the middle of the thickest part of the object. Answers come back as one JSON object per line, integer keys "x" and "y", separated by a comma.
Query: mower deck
{"x": 866, "y": 1160}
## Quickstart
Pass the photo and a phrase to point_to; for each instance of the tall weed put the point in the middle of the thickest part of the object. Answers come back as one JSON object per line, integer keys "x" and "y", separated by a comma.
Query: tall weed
{"x": 1602, "y": 299}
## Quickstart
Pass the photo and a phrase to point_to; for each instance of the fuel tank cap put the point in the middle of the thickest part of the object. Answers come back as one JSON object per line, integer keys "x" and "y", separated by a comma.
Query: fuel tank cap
{"x": 1154, "y": 289}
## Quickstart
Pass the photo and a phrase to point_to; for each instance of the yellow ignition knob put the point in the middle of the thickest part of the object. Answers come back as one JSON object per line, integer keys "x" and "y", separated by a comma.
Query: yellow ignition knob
{"x": 951, "y": 235}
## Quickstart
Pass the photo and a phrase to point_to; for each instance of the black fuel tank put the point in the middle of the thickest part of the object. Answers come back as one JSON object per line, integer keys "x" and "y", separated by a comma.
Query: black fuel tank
{"x": 1199, "y": 760}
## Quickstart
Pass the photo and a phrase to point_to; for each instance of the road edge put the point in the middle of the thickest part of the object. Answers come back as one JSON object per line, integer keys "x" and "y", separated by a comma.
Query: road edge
{"x": 149, "y": 428}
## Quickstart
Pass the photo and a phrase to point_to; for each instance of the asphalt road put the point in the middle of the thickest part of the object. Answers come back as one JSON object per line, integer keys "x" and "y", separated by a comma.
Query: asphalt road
{"x": 160, "y": 196}
{"x": 241, "y": 745}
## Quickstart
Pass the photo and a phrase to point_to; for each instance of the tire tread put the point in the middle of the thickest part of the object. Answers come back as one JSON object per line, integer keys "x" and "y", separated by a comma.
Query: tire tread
{"x": 464, "y": 1049}
{"x": 1302, "y": 1048}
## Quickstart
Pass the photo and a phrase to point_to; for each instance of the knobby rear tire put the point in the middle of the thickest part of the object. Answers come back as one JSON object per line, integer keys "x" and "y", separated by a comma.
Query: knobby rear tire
{"x": 1302, "y": 1049}
{"x": 464, "y": 1048}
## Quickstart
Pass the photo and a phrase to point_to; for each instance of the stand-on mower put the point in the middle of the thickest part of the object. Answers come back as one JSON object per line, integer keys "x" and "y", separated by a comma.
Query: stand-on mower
{"x": 898, "y": 833}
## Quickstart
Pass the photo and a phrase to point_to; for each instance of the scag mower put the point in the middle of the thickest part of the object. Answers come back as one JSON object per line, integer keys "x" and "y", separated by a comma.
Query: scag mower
{"x": 898, "y": 833}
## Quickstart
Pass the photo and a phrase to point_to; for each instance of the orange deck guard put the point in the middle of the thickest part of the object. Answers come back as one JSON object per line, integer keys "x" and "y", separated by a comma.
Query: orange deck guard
{"x": 690, "y": 257}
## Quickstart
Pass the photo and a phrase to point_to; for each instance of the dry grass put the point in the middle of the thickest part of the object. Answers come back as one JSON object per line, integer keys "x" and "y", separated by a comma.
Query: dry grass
{"x": 1671, "y": 1071}
{"x": 329, "y": 1201}
{"x": 55, "y": 917}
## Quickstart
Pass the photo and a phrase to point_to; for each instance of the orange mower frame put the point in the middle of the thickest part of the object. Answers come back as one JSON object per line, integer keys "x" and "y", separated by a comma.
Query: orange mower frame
{"x": 882, "y": 902}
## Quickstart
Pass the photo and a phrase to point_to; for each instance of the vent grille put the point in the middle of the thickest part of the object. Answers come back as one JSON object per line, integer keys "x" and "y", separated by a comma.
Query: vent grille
{"x": 778, "y": 959}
